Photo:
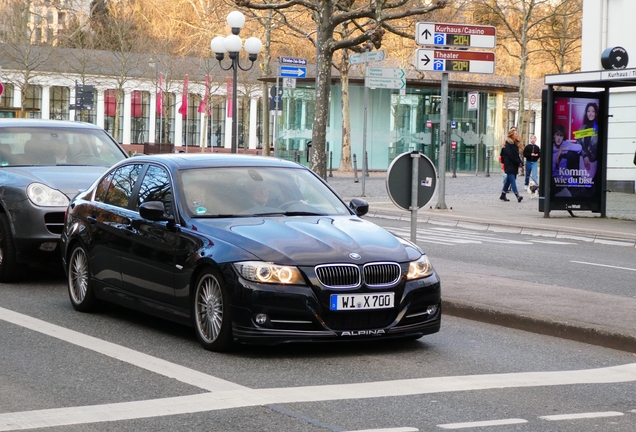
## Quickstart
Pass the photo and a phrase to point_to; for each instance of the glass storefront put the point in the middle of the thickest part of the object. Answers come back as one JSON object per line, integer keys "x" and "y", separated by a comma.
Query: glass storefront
{"x": 395, "y": 124}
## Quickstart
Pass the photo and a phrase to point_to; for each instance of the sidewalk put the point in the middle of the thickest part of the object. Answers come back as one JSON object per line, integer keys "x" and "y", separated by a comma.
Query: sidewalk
{"x": 473, "y": 203}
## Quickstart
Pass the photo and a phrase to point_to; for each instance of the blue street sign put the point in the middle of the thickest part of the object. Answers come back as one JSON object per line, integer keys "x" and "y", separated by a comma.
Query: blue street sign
{"x": 438, "y": 65}
{"x": 293, "y": 72}
{"x": 439, "y": 39}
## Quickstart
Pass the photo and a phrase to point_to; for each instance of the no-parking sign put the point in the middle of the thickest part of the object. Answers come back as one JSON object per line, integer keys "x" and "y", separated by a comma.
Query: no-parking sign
{"x": 473, "y": 101}
{"x": 1, "y": 89}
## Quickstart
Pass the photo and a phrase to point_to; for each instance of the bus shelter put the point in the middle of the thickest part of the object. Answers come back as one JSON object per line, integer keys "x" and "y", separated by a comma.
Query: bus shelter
{"x": 574, "y": 122}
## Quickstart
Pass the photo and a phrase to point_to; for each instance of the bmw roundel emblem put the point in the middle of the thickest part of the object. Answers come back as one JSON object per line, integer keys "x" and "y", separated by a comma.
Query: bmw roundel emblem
{"x": 354, "y": 256}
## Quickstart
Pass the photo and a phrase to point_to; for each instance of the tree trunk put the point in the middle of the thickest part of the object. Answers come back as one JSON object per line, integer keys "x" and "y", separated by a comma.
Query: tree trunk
{"x": 324, "y": 57}
{"x": 345, "y": 158}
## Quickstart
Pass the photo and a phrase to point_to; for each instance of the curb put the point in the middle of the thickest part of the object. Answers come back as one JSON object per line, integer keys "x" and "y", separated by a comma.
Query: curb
{"x": 583, "y": 234}
{"x": 578, "y": 332}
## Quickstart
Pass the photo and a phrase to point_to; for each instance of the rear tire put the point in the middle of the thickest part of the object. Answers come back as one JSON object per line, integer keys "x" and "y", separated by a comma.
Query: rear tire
{"x": 211, "y": 312}
{"x": 80, "y": 288}
{"x": 10, "y": 269}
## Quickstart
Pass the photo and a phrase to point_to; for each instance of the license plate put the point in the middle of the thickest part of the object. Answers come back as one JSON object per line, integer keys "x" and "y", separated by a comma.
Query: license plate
{"x": 361, "y": 301}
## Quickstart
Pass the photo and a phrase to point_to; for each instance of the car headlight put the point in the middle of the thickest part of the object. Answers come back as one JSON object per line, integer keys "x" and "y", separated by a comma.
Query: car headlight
{"x": 45, "y": 196}
{"x": 262, "y": 272}
{"x": 420, "y": 268}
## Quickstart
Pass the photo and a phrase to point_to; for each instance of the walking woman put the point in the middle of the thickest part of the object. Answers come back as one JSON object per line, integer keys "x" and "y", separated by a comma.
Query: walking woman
{"x": 511, "y": 163}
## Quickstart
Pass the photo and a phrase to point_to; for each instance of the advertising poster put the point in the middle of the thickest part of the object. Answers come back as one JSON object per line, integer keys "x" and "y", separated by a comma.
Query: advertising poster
{"x": 575, "y": 148}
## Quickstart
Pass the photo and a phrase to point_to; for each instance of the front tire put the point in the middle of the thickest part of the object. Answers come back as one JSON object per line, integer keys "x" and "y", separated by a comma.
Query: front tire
{"x": 10, "y": 270}
{"x": 211, "y": 312}
{"x": 80, "y": 288}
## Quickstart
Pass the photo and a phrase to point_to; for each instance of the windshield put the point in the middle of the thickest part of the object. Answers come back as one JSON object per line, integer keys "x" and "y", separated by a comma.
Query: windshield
{"x": 249, "y": 191}
{"x": 57, "y": 146}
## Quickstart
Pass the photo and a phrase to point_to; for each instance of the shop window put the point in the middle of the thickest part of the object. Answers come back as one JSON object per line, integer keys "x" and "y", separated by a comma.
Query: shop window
{"x": 190, "y": 127}
{"x": 217, "y": 119}
{"x": 115, "y": 128}
{"x": 59, "y": 100}
{"x": 33, "y": 101}
{"x": 164, "y": 129}
{"x": 140, "y": 117}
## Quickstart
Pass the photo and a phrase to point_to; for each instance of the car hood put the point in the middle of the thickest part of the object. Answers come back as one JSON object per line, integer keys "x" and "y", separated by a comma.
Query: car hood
{"x": 305, "y": 240}
{"x": 68, "y": 179}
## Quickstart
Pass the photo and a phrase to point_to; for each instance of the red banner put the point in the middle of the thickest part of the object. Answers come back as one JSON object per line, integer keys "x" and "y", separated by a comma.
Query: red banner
{"x": 160, "y": 110}
{"x": 183, "y": 110}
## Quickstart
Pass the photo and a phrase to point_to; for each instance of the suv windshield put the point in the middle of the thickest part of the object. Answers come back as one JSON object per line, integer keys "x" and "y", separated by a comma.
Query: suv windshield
{"x": 43, "y": 146}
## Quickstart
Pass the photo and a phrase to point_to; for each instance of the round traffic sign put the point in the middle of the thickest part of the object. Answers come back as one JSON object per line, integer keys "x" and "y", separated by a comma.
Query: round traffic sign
{"x": 1, "y": 88}
{"x": 275, "y": 91}
{"x": 399, "y": 180}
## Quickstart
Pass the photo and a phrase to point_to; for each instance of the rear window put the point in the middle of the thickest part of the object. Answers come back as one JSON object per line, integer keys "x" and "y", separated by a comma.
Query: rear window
{"x": 57, "y": 146}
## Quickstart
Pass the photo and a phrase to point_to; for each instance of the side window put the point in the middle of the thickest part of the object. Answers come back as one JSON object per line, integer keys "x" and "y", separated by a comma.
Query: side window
{"x": 121, "y": 186}
{"x": 102, "y": 188}
{"x": 156, "y": 187}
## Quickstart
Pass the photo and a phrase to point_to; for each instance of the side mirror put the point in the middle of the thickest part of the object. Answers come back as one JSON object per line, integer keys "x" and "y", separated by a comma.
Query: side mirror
{"x": 359, "y": 206}
{"x": 154, "y": 211}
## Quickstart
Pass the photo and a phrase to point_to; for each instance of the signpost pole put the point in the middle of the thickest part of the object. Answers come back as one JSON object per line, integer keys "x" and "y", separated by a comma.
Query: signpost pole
{"x": 274, "y": 128}
{"x": 478, "y": 140}
{"x": 443, "y": 126}
{"x": 415, "y": 175}
{"x": 364, "y": 134}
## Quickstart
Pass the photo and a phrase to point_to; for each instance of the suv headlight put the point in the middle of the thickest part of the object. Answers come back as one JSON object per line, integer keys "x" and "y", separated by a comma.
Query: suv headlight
{"x": 262, "y": 272}
{"x": 420, "y": 268}
{"x": 44, "y": 196}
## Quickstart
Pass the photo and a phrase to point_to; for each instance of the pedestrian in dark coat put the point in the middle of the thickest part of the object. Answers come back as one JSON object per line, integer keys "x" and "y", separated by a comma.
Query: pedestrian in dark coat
{"x": 511, "y": 163}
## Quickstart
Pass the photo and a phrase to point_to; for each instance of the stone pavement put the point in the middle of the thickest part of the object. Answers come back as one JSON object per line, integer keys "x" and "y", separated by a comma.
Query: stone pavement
{"x": 473, "y": 203}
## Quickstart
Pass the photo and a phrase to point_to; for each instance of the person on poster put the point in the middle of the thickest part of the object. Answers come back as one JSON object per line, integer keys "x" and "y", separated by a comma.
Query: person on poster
{"x": 587, "y": 138}
{"x": 565, "y": 161}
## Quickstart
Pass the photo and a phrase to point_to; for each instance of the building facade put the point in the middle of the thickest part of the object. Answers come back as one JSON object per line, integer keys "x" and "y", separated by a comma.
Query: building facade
{"x": 605, "y": 25}
{"x": 154, "y": 105}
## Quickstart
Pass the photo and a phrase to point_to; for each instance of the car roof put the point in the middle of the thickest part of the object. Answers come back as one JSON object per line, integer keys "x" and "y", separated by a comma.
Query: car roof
{"x": 35, "y": 123}
{"x": 178, "y": 161}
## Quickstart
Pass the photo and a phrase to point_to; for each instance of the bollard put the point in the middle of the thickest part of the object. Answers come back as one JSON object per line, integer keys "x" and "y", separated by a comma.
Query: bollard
{"x": 330, "y": 164}
{"x": 488, "y": 153}
{"x": 366, "y": 164}
{"x": 355, "y": 169}
{"x": 454, "y": 162}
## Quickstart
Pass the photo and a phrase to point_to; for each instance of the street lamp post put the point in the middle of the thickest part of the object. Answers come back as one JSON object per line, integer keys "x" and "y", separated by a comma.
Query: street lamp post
{"x": 232, "y": 44}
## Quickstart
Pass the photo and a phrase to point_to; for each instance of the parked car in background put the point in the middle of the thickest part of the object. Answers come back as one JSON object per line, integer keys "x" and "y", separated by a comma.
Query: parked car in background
{"x": 43, "y": 164}
{"x": 244, "y": 248}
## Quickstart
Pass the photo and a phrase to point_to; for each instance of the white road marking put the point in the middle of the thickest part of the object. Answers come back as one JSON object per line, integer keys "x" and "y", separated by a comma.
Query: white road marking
{"x": 228, "y": 395}
{"x": 604, "y": 265}
{"x": 451, "y": 237}
{"x": 582, "y": 415}
{"x": 482, "y": 423}
{"x": 554, "y": 242}
{"x": 136, "y": 358}
{"x": 402, "y": 429}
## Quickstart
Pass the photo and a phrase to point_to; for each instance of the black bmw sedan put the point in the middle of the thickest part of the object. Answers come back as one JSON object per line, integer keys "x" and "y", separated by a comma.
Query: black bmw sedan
{"x": 246, "y": 249}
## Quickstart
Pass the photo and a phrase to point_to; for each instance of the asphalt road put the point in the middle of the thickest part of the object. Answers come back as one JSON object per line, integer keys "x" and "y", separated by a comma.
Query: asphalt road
{"x": 565, "y": 262}
{"x": 118, "y": 370}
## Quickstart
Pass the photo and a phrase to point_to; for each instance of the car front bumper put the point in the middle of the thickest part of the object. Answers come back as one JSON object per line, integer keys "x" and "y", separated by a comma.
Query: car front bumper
{"x": 296, "y": 314}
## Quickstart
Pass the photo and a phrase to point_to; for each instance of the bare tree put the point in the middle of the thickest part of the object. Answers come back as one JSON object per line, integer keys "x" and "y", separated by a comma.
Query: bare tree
{"x": 328, "y": 15}
{"x": 116, "y": 28}
{"x": 520, "y": 26}
{"x": 561, "y": 40}
{"x": 17, "y": 48}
